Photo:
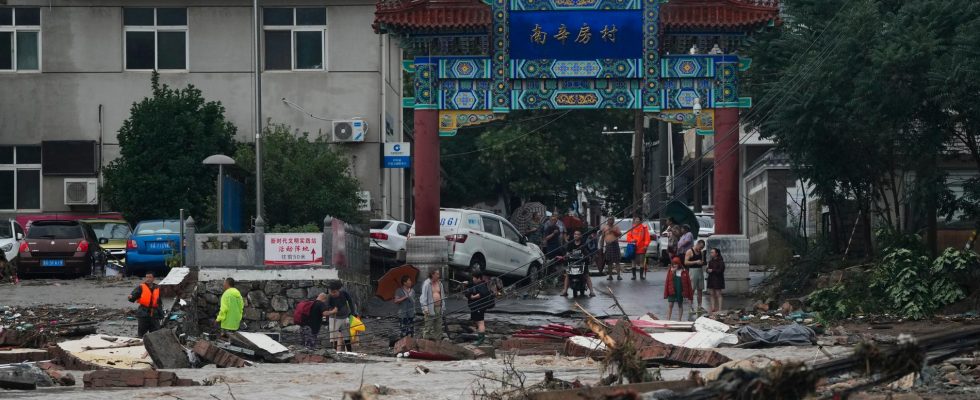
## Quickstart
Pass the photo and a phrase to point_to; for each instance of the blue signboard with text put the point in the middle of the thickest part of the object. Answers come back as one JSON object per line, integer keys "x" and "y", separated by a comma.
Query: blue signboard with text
{"x": 576, "y": 34}
{"x": 398, "y": 155}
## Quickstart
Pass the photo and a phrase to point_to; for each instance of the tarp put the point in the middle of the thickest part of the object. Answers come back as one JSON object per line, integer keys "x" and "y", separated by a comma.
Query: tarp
{"x": 786, "y": 335}
{"x": 709, "y": 334}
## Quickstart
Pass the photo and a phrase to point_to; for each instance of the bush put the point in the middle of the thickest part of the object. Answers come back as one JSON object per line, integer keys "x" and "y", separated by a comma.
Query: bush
{"x": 308, "y": 228}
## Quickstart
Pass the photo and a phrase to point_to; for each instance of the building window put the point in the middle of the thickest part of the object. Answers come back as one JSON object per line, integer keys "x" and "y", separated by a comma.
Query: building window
{"x": 156, "y": 38}
{"x": 295, "y": 38}
{"x": 20, "y": 178}
{"x": 20, "y": 39}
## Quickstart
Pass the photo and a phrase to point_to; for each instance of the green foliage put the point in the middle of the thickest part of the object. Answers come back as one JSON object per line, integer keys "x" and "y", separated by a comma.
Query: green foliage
{"x": 304, "y": 180}
{"x": 905, "y": 282}
{"x": 174, "y": 260}
{"x": 161, "y": 147}
{"x": 308, "y": 228}
{"x": 541, "y": 157}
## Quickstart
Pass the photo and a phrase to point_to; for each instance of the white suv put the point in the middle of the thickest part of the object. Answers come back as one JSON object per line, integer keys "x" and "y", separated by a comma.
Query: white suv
{"x": 11, "y": 234}
{"x": 485, "y": 241}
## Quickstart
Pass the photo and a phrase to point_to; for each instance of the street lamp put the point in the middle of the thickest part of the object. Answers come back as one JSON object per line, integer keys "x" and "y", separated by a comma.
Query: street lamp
{"x": 220, "y": 160}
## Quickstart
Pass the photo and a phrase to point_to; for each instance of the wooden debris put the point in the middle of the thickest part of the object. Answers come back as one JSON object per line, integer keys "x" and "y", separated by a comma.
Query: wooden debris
{"x": 597, "y": 392}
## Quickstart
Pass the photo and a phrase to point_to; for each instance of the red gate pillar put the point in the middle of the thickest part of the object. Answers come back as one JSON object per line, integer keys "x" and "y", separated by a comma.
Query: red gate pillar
{"x": 425, "y": 166}
{"x": 726, "y": 176}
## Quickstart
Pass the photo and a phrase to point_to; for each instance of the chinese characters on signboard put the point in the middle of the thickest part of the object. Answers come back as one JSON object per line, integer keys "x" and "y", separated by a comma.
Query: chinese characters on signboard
{"x": 576, "y": 34}
{"x": 293, "y": 249}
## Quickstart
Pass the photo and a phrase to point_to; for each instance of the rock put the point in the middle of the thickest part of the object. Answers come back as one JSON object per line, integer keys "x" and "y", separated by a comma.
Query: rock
{"x": 296, "y": 294}
{"x": 252, "y": 314}
{"x": 948, "y": 368}
{"x": 316, "y": 290}
{"x": 286, "y": 320}
{"x": 211, "y": 298}
{"x": 954, "y": 378}
{"x": 279, "y": 303}
{"x": 272, "y": 316}
{"x": 304, "y": 284}
{"x": 165, "y": 350}
{"x": 258, "y": 299}
{"x": 273, "y": 288}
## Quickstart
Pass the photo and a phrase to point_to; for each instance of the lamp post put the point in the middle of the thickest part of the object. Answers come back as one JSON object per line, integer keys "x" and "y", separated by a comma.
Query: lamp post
{"x": 220, "y": 160}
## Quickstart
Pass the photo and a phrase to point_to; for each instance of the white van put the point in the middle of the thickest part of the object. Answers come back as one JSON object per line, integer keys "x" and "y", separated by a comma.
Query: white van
{"x": 485, "y": 241}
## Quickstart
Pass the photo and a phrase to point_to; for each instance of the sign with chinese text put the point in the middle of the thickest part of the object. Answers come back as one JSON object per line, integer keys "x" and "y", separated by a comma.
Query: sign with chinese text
{"x": 398, "y": 155}
{"x": 576, "y": 34}
{"x": 293, "y": 249}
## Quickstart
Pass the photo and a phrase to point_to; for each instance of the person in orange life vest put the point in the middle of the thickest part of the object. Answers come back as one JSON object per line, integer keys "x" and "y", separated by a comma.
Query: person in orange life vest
{"x": 639, "y": 236}
{"x": 677, "y": 288}
{"x": 150, "y": 311}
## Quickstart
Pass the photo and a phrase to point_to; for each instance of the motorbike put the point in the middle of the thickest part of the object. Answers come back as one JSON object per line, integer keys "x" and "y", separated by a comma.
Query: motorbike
{"x": 577, "y": 264}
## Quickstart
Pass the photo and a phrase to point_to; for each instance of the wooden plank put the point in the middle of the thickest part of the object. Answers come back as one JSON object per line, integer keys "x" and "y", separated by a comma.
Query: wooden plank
{"x": 596, "y": 391}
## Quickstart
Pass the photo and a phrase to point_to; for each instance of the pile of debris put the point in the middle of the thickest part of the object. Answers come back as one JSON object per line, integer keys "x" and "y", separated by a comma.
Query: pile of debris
{"x": 550, "y": 339}
{"x": 35, "y": 326}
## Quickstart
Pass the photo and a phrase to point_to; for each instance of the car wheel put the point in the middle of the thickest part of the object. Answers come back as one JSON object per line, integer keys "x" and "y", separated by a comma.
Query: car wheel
{"x": 533, "y": 273}
{"x": 478, "y": 263}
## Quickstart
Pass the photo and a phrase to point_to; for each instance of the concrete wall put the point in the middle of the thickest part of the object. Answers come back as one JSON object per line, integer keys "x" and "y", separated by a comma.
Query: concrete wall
{"x": 82, "y": 71}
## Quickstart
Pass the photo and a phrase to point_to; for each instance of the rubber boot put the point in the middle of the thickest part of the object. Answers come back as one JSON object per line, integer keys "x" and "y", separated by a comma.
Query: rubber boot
{"x": 480, "y": 338}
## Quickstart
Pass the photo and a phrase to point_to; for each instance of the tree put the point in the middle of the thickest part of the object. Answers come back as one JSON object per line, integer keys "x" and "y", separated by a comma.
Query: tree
{"x": 856, "y": 112}
{"x": 303, "y": 180}
{"x": 162, "y": 145}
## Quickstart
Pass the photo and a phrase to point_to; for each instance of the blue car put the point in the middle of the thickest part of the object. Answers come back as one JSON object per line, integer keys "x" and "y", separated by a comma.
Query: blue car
{"x": 152, "y": 243}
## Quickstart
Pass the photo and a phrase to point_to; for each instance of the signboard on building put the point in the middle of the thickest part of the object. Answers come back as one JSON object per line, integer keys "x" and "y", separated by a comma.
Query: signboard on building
{"x": 398, "y": 155}
{"x": 293, "y": 249}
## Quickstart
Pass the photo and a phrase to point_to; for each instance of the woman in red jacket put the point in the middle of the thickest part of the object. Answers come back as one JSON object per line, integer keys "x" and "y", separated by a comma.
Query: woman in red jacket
{"x": 677, "y": 288}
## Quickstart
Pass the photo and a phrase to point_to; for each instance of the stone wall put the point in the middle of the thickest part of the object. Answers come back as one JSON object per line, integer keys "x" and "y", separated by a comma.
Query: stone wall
{"x": 269, "y": 304}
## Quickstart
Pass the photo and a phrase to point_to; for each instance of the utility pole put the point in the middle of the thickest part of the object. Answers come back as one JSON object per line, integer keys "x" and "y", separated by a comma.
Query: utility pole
{"x": 697, "y": 171}
{"x": 258, "y": 110}
{"x": 638, "y": 160}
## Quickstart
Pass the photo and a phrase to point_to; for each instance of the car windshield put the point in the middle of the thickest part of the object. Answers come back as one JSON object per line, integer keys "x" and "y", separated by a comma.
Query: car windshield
{"x": 158, "y": 227}
{"x": 379, "y": 224}
{"x": 44, "y": 231}
{"x": 706, "y": 222}
{"x": 5, "y": 232}
{"x": 111, "y": 230}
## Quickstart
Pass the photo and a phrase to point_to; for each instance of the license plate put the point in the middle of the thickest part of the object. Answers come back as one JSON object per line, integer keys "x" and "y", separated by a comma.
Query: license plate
{"x": 158, "y": 245}
{"x": 52, "y": 263}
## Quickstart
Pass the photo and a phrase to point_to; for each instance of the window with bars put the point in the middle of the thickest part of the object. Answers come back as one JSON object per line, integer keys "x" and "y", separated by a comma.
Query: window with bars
{"x": 295, "y": 38}
{"x": 156, "y": 38}
{"x": 20, "y": 39}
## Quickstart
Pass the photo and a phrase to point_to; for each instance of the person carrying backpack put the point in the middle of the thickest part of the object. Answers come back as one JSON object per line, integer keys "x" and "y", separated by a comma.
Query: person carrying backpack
{"x": 309, "y": 316}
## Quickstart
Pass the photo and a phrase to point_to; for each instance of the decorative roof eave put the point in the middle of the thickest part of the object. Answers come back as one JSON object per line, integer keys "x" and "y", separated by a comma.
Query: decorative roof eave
{"x": 425, "y": 16}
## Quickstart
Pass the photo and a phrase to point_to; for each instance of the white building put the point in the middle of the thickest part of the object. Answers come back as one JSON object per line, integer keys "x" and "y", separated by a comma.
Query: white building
{"x": 71, "y": 69}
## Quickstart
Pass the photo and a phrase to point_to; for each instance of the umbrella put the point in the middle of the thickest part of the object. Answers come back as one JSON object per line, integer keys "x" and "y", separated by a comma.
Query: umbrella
{"x": 571, "y": 223}
{"x": 392, "y": 280}
{"x": 521, "y": 218}
{"x": 682, "y": 215}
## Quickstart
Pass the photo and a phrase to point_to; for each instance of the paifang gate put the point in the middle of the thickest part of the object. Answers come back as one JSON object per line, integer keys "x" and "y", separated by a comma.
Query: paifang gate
{"x": 478, "y": 60}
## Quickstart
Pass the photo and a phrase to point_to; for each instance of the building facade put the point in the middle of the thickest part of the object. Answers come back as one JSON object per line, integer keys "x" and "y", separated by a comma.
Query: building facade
{"x": 71, "y": 69}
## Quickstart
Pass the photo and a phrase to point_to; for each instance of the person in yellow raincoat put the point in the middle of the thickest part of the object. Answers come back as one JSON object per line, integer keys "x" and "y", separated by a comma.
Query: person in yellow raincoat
{"x": 232, "y": 307}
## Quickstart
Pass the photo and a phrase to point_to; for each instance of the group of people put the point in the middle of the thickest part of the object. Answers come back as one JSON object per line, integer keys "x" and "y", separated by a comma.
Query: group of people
{"x": 335, "y": 308}
{"x": 479, "y": 294}
{"x": 687, "y": 277}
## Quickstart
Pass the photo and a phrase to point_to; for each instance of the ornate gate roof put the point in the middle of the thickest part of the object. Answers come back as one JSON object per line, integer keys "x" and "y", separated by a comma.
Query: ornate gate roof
{"x": 420, "y": 16}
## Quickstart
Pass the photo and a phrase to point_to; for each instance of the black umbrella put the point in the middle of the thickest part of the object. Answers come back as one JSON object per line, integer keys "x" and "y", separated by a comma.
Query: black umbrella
{"x": 682, "y": 215}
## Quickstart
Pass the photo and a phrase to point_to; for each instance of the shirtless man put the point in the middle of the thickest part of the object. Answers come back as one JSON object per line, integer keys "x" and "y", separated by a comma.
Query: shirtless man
{"x": 433, "y": 304}
{"x": 610, "y": 239}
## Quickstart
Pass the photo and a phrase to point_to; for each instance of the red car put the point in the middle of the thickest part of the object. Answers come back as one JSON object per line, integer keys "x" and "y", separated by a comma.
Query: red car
{"x": 60, "y": 247}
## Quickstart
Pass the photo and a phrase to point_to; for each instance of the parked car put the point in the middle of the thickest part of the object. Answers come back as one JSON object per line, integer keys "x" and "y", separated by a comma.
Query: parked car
{"x": 59, "y": 247}
{"x": 151, "y": 244}
{"x": 389, "y": 234}
{"x": 479, "y": 240}
{"x": 11, "y": 235}
{"x": 707, "y": 223}
{"x": 113, "y": 235}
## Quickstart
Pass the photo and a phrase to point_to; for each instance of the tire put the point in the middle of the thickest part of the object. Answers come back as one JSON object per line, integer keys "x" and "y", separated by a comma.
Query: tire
{"x": 533, "y": 272}
{"x": 478, "y": 263}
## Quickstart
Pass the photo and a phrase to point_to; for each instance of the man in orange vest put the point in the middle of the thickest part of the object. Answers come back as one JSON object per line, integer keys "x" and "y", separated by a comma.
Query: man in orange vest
{"x": 149, "y": 313}
{"x": 639, "y": 237}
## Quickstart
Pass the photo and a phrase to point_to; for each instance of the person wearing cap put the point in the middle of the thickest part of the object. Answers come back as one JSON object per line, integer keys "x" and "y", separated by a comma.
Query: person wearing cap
{"x": 677, "y": 287}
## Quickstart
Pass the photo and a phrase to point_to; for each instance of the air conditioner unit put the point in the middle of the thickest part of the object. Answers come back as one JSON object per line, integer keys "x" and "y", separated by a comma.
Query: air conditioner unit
{"x": 81, "y": 192}
{"x": 352, "y": 130}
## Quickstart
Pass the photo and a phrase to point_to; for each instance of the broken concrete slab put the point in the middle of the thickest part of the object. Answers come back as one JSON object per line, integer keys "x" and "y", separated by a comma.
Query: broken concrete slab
{"x": 217, "y": 356}
{"x": 165, "y": 350}
{"x": 24, "y": 376}
{"x": 581, "y": 346}
{"x": 440, "y": 348}
{"x": 95, "y": 352}
{"x": 11, "y": 356}
{"x": 597, "y": 392}
{"x": 653, "y": 351}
